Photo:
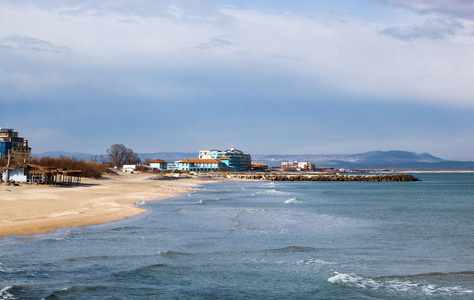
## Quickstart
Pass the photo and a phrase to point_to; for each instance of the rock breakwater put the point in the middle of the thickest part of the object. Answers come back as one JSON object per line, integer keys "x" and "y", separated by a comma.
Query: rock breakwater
{"x": 331, "y": 177}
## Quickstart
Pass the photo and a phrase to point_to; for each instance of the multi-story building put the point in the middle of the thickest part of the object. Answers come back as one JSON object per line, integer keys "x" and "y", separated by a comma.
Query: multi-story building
{"x": 289, "y": 165}
{"x": 234, "y": 159}
{"x": 9, "y": 140}
{"x": 201, "y": 165}
{"x": 306, "y": 165}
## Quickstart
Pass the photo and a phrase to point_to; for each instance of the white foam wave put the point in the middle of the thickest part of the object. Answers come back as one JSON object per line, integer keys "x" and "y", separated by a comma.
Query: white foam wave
{"x": 140, "y": 203}
{"x": 4, "y": 294}
{"x": 397, "y": 286}
{"x": 271, "y": 192}
{"x": 5, "y": 269}
{"x": 313, "y": 262}
{"x": 294, "y": 200}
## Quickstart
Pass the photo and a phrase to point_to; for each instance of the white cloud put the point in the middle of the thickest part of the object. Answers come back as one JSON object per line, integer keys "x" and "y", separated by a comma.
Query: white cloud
{"x": 458, "y": 8}
{"x": 437, "y": 28}
{"x": 168, "y": 49}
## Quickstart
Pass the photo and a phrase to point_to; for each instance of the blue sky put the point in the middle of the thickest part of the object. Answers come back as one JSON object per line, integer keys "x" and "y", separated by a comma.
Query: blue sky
{"x": 279, "y": 77}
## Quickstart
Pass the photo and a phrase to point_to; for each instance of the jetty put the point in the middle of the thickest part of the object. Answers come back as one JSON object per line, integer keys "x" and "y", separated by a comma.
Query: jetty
{"x": 326, "y": 177}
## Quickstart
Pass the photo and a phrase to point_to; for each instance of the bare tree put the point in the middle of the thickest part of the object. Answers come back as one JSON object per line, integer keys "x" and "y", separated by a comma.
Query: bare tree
{"x": 147, "y": 161}
{"x": 120, "y": 155}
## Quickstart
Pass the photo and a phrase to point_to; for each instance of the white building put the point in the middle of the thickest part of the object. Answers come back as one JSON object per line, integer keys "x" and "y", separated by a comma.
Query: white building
{"x": 17, "y": 174}
{"x": 129, "y": 168}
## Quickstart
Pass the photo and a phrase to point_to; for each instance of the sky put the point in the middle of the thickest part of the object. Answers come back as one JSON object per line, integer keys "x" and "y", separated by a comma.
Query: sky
{"x": 267, "y": 76}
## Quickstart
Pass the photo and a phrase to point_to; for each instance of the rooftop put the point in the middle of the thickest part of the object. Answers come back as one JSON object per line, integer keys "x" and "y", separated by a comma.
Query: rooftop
{"x": 158, "y": 161}
{"x": 200, "y": 161}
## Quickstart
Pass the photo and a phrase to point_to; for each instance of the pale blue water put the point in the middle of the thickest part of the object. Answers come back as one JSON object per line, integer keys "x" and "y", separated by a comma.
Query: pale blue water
{"x": 264, "y": 240}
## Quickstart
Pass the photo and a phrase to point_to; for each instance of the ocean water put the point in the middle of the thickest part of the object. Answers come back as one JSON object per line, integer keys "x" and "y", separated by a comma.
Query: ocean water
{"x": 264, "y": 240}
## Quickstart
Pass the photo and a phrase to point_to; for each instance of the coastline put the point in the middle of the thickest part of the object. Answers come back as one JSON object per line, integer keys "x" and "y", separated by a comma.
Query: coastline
{"x": 30, "y": 210}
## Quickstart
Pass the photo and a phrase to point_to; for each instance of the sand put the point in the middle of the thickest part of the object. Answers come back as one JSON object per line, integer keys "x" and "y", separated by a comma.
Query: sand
{"x": 37, "y": 209}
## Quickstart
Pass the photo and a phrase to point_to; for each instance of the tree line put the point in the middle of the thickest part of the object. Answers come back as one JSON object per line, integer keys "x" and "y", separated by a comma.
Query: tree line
{"x": 117, "y": 156}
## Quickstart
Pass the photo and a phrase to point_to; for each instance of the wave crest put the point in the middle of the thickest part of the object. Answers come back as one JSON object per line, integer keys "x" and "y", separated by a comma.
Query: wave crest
{"x": 399, "y": 285}
{"x": 294, "y": 201}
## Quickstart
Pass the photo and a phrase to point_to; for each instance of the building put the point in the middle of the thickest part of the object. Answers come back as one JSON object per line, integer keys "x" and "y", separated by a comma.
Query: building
{"x": 9, "y": 140}
{"x": 297, "y": 165}
{"x": 234, "y": 159}
{"x": 129, "y": 168}
{"x": 293, "y": 165}
{"x": 158, "y": 164}
{"x": 259, "y": 166}
{"x": 306, "y": 165}
{"x": 201, "y": 165}
{"x": 18, "y": 174}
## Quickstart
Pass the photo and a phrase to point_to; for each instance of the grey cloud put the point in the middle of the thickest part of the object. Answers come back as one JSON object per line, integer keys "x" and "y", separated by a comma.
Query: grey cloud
{"x": 458, "y": 8}
{"x": 434, "y": 29}
{"x": 217, "y": 42}
{"x": 32, "y": 44}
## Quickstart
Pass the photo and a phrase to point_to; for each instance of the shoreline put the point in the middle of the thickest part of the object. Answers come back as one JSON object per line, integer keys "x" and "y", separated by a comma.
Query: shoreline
{"x": 30, "y": 210}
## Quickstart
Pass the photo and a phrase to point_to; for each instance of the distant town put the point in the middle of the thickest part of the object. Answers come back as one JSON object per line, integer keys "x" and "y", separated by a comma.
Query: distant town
{"x": 18, "y": 165}
{"x": 13, "y": 146}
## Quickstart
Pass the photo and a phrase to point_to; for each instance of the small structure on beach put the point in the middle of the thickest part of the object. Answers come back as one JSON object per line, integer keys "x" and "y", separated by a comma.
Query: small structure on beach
{"x": 129, "y": 168}
{"x": 17, "y": 174}
{"x": 27, "y": 173}
{"x": 54, "y": 176}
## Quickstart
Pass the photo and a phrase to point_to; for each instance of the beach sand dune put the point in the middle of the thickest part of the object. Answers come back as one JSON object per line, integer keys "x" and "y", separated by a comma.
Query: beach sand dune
{"x": 36, "y": 209}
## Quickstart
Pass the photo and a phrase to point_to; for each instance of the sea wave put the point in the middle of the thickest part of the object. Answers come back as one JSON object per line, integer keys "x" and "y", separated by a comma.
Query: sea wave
{"x": 72, "y": 292}
{"x": 292, "y": 249}
{"x": 170, "y": 253}
{"x": 4, "y": 294}
{"x": 294, "y": 201}
{"x": 315, "y": 261}
{"x": 6, "y": 269}
{"x": 209, "y": 200}
{"x": 412, "y": 285}
{"x": 272, "y": 192}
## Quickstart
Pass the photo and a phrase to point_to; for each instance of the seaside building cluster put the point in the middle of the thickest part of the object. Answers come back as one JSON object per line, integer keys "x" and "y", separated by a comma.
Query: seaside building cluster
{"x": 231, "y": 160}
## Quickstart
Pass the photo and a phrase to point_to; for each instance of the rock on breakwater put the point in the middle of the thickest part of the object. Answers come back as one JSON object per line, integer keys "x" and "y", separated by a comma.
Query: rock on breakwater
{"x": 332, "y": 177}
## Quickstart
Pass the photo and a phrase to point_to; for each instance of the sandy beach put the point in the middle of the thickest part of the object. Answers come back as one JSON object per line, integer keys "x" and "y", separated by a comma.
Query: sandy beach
{"x": 28, "y": 210}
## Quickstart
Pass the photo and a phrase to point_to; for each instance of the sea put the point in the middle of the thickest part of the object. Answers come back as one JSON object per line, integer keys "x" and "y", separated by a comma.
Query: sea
{"x": 263, "y": 240}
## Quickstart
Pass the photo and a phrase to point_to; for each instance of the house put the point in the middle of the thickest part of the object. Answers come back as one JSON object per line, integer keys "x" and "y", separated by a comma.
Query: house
{"x": 158, "y": 164}
{"x": 201, "y": 165}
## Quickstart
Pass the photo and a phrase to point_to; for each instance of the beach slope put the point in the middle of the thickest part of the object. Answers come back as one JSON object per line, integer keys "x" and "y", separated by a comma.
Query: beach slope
{"x": 28, "y": 210}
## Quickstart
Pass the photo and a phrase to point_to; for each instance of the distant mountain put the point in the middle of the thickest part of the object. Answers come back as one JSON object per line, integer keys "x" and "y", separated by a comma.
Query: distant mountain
{"x": 168, "y": 156}
{"x": 394, "y": 159}
{"x": 56, "y": 154}
{"x": 394, "y": 156}
{"x": 372, "y": 157}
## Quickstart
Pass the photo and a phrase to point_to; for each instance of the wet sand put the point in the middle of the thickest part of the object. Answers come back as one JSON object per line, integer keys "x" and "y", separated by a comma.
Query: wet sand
{"x": 36, "y": 209}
